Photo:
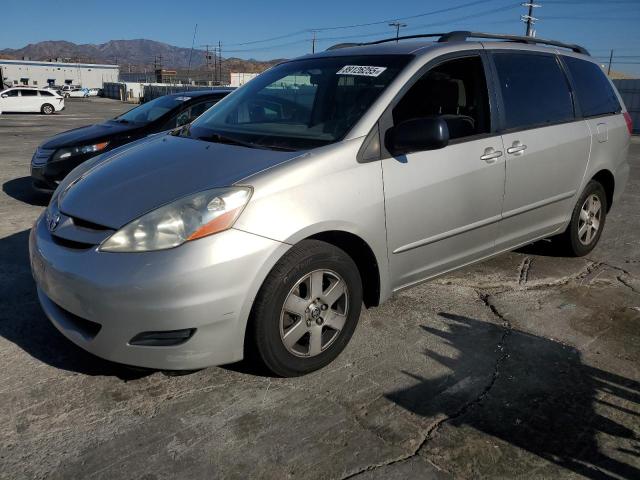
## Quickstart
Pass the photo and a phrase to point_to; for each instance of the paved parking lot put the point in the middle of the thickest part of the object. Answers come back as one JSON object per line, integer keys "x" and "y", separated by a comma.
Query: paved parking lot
{"x": 526, "y": 366}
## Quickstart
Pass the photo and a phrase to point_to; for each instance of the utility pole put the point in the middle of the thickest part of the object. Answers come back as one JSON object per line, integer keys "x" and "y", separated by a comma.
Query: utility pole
{"x": 207, "y": 62}
{"x": 220, "y": 61}
{"x": 397, "y": 25}
{"x": 313, "y": 41}
{"x": 610, "y": 62}
{"x": 529, "y": 19}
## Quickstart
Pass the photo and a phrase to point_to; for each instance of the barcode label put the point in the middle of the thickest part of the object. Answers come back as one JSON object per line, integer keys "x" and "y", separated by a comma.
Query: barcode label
{"x": 361, "y": 70}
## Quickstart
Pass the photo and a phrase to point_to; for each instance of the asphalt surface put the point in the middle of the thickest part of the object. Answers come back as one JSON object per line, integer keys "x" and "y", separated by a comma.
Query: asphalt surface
{"x": 527, "y": 365}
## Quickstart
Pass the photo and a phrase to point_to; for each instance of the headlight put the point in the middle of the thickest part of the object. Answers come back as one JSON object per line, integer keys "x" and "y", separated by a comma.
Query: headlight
{"x": 65, "y": 153}
{"x": 188, "y": 218}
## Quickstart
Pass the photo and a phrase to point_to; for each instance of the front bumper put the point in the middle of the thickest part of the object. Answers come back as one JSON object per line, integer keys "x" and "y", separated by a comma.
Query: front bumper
{"x": 40, "y": 181}
{"x": 207, "y": 284}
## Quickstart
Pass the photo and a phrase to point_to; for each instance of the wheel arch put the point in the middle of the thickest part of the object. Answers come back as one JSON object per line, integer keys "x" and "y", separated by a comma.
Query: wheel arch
{"x": 364, "y": 258}
{"x": 607, "y": 180}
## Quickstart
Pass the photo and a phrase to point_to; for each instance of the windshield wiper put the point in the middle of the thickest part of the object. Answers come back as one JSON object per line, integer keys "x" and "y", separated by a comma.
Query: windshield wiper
{"x": 277, "y": 147}
{"x": 217, "y": 138}
{"x": 121, "y": 120}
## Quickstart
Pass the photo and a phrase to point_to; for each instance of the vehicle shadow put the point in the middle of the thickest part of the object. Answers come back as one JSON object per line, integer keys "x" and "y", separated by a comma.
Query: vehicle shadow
{"x": 541, "y": 398}
{"x": 23, "y": 323}
{"x": 21, "y": 190}
{"x": 542, "y": 248}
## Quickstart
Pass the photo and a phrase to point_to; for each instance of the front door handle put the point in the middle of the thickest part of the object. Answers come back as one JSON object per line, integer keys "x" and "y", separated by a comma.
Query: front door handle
{"x": 491, "y": 155}
{"x": 516, "y": 148}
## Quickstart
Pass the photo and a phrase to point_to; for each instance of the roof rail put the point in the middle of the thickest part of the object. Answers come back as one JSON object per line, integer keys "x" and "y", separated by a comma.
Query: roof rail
{"x": 462, "y": 36}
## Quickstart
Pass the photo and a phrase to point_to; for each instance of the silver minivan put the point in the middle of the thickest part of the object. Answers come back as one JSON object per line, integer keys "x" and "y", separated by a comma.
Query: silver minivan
{"x": 328, "y": 182}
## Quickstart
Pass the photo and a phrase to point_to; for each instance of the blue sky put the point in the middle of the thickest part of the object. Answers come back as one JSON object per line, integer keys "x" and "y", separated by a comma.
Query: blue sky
{"x": 600, "y": 25}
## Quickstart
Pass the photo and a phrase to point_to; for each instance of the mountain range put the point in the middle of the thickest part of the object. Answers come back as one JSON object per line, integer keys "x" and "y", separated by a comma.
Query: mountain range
{"x": 139, "y": 54}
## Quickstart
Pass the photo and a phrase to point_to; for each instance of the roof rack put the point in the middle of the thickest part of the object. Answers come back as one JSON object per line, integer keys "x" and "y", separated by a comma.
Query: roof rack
{"x": 462, "y": 36}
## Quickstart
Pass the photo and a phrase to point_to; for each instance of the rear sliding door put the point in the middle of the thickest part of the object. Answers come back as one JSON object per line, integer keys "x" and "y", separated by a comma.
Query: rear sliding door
{"x": 546, "y": 145}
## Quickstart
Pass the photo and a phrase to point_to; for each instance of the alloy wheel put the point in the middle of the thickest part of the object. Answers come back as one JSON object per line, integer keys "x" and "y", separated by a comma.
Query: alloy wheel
{"x": 590, "y": 218}
{"x": 314, "y": 313}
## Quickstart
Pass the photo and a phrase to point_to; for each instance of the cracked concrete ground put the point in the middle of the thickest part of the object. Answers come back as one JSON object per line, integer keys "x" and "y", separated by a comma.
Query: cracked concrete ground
{"x": 525, "y": 366}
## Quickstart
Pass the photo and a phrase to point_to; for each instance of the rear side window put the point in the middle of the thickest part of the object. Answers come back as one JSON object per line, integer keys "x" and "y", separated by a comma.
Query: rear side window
{"x": 534, "y": 90}
{"x": 29, "y": 93}
{"x": 44, "y": 93}
{"x": 595, "y": 94}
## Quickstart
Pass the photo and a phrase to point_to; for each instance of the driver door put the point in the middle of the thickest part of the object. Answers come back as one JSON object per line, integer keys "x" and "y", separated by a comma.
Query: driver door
{"x": 10, "y": 101}
{"x": 443, "y": 206}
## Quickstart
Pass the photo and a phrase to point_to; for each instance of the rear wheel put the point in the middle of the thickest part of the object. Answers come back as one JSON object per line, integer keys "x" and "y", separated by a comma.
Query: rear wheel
{"x": 47, "y": 109}
{"x": 306, "y": 310}
{"x": 587, "y": 222}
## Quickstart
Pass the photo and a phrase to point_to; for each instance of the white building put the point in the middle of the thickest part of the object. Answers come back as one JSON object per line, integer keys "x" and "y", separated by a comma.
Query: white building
{"x": 240, "y": 78}
{"x": 29, "y": 72}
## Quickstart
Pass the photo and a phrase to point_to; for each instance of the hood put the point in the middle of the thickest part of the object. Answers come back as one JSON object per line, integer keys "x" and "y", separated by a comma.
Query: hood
{"x": 133, "y": 180}
{"x": 87, "y": 135}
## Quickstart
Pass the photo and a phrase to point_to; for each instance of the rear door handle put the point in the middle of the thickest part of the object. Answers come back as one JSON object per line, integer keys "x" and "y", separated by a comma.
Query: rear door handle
{"x": 491, "y": 155}
{"x": 518, "y": 149}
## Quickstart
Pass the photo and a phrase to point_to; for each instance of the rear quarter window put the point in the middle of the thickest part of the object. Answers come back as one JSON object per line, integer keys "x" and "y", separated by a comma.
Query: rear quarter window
{"x": 534, "y": 89}
{"x": 595, "y": 95}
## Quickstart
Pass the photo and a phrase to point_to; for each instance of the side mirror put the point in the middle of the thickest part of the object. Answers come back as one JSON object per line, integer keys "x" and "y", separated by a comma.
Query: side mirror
{"x": 417, "y": 134}
{"x": 4, "y": 95}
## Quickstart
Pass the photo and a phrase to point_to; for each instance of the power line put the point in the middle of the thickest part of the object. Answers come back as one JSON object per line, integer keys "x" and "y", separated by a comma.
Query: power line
{"x": 359, "y": 25}
{"x": 383, "y": 33}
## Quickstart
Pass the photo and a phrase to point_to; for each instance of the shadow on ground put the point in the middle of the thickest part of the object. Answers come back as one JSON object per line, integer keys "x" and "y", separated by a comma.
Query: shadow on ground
{"x": 23, "y": 323}
{"x": 541, "y": 398}
{"x": 21, "y": 190}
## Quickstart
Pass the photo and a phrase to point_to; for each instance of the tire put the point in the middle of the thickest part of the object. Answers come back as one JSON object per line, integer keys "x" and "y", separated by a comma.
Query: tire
{"x": 587, "y": 222}
{"x": 47, "y": 109}
{"x": 290, "y": 344}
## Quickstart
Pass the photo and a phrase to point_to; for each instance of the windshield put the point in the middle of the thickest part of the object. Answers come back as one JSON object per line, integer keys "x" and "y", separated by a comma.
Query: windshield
{"x": 300, "y": 104}
{"x": 150, "y": 111}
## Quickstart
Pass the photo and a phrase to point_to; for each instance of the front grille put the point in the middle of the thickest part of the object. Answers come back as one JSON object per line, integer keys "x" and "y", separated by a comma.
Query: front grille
{"x": 78, "y": 234}
{"x": 72, "y": 244}
{"x": 41, "y": 156}
{"x": 78, "y": 222}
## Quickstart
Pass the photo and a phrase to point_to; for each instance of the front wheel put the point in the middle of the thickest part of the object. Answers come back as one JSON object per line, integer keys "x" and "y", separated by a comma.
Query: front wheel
{"x": 306, "y": 310}
{"x": 47, "y": 109}
{"x": 587, "y": 221}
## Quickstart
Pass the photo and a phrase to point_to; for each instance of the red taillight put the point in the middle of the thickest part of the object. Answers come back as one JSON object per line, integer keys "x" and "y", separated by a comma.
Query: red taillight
{"x": 628, "y": 119}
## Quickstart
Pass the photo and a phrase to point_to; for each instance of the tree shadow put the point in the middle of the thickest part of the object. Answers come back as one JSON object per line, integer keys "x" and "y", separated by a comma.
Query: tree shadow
{"x": 23, "y": 323}
{"x": 22, "y": 190}
{"x": 540, "y": 396}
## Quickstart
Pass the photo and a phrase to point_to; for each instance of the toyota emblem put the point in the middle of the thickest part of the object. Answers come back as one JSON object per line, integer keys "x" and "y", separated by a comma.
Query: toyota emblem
{"x": 53, "y": 222}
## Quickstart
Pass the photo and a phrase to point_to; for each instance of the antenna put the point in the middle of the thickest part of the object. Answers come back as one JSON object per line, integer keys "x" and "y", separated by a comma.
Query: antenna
{"x": 193, "y": 41}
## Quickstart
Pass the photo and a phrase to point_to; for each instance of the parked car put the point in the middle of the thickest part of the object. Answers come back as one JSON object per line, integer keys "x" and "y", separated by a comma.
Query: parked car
{"x": 94, "y": 92}
{"x": 77, "y": 93}
{"x": 262, "y": 227}
{"x": 29, "y": 99}
{"x": 57, "y": 156}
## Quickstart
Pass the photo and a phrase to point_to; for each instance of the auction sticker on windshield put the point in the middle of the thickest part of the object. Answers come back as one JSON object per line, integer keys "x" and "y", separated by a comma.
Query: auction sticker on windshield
{"x": 361, "y": 70}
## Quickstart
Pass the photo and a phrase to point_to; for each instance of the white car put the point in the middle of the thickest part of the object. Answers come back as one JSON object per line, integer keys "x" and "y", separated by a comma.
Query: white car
{"x": 93, "y": 92}
{"x": 74, "y": 91}
{"x": 23, "y": 99}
